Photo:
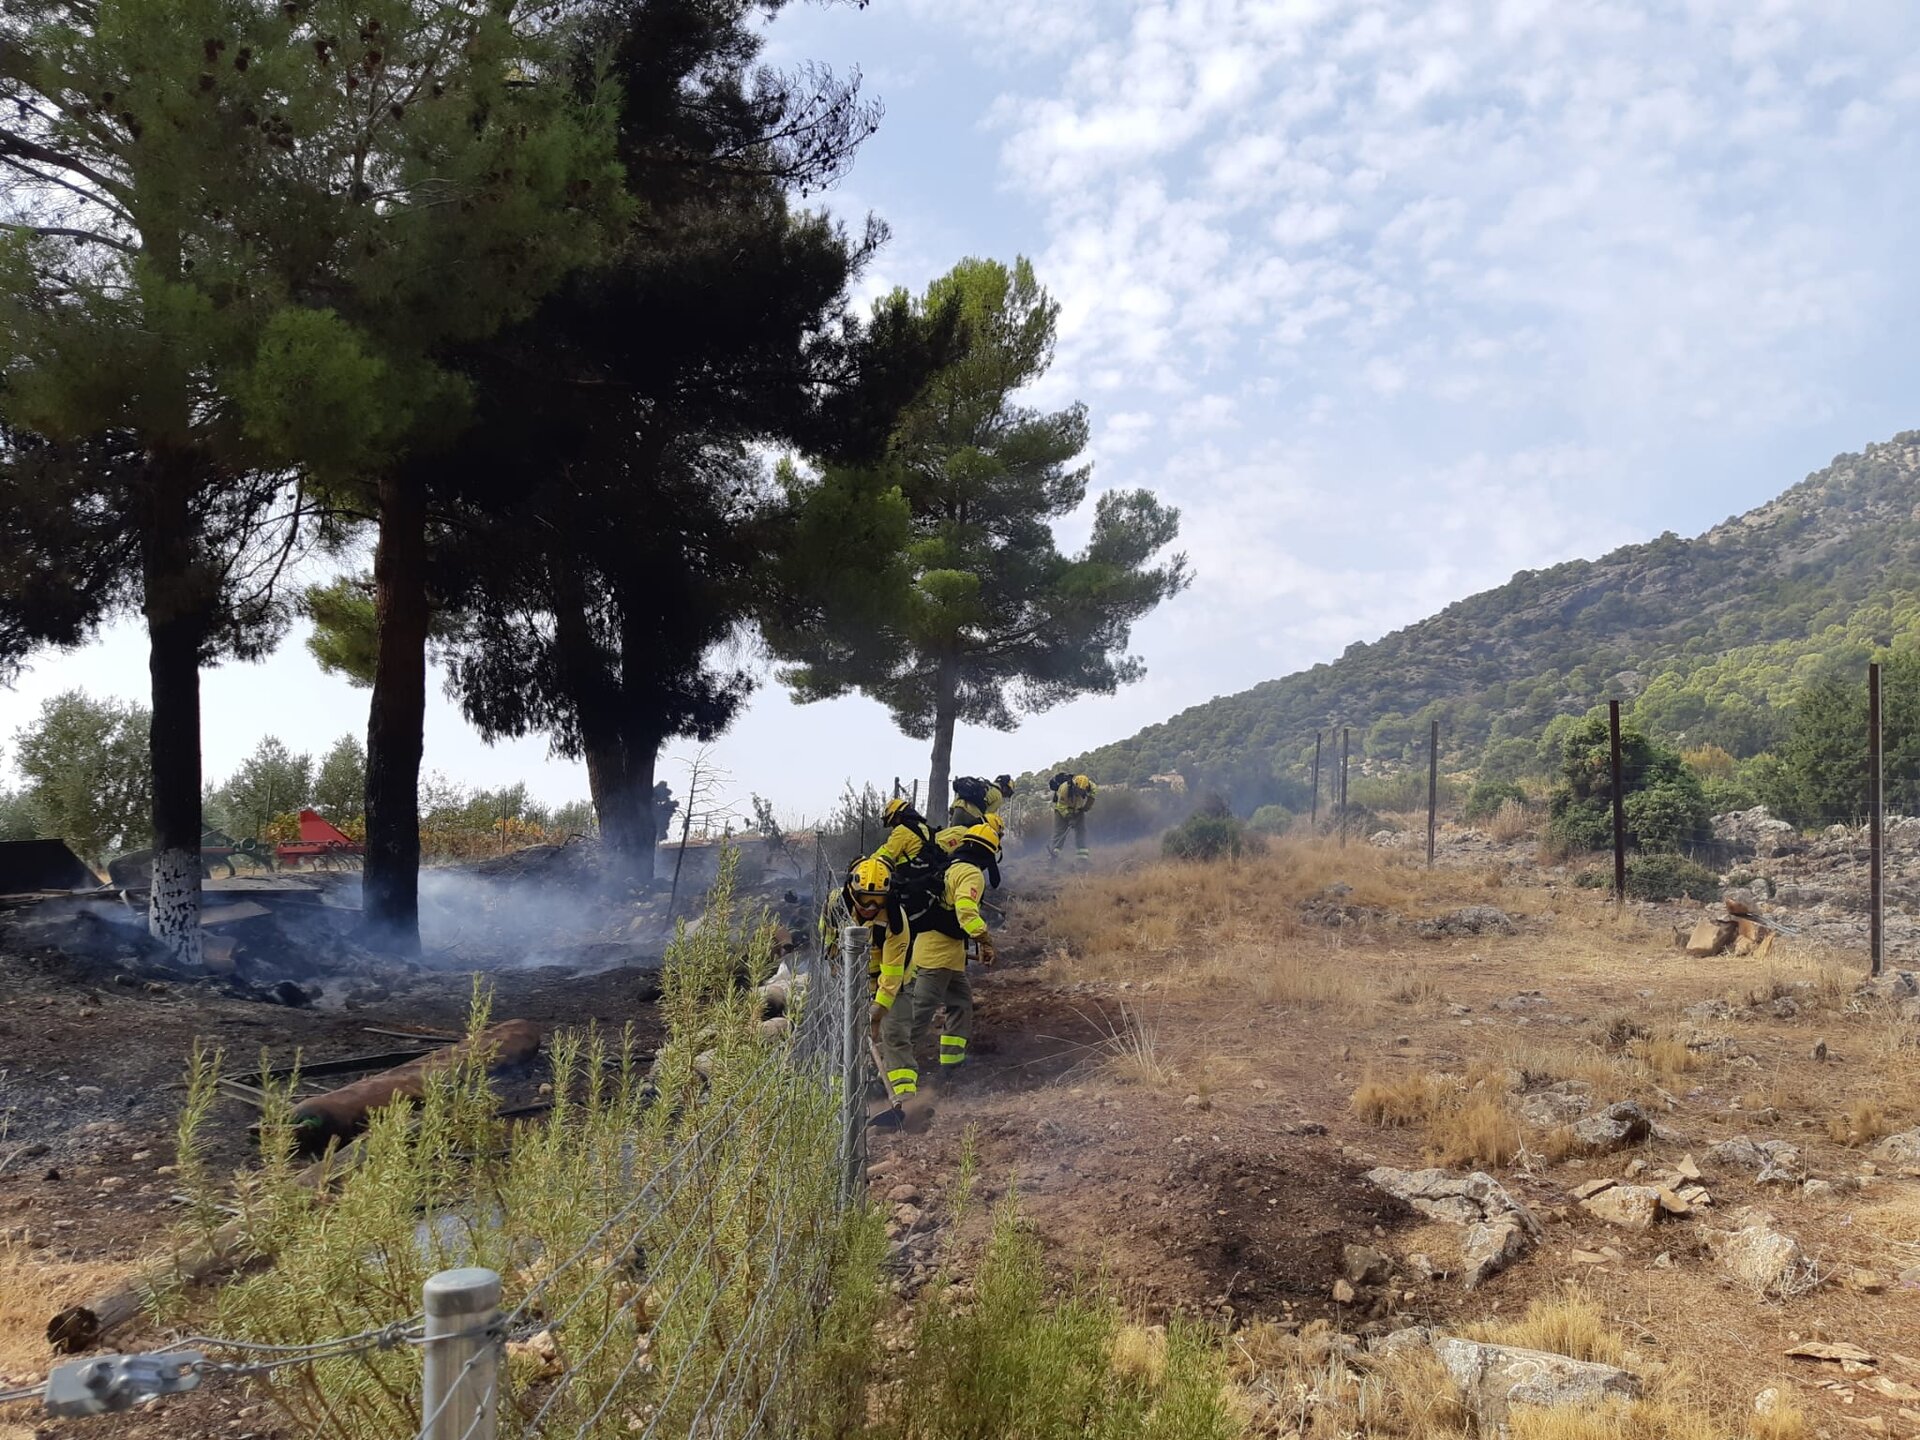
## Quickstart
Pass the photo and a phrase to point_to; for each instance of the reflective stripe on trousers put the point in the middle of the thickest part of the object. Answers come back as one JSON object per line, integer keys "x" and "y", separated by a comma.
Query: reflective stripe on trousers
{"x": 953, "y": 1049}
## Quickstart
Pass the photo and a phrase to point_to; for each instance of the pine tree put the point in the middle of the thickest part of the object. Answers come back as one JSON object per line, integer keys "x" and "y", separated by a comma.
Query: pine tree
{"x": 970, "y": 611}
{"x": 249, "y": 234}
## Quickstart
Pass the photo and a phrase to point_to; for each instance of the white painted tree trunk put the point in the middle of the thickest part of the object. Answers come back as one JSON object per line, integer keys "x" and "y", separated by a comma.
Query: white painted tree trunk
{"x": 173, "y": 909}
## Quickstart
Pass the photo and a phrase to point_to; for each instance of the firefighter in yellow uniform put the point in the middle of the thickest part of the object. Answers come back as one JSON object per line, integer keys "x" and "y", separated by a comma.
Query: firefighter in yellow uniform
{"x": 975, "y": 799}
{"x": 1072, "y": 798}
{"x": 939, "y": 978}
{"x": 869, "y": 898}
{"x": 908, "y": 835}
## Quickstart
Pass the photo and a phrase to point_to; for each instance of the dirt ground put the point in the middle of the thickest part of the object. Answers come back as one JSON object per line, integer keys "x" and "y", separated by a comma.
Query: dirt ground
{"x": 1165, "y": 1067}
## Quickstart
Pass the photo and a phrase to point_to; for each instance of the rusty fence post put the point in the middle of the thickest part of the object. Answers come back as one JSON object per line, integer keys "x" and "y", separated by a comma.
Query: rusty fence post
{"x": 1619, "y": 806}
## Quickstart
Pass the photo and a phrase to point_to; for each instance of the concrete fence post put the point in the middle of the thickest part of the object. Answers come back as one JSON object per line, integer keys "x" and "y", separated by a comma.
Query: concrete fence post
{"x": 461, "y": 1399}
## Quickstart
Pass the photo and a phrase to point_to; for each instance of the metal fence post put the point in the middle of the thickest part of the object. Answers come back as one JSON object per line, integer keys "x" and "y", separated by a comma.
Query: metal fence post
{"x": 854, "y": 943}
{"x": 1314, "y": 821}
{"x": 1345, "y": 733}
{"x": 1433, "y": 788}
{"x": 461, "y": 1399}
{"x": 1619, "y": 805}
{"x": 1876, "y": 825}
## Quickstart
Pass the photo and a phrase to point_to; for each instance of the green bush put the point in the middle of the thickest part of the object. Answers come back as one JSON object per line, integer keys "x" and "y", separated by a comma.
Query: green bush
{"x": 1012, "y": 1360}
{"x": 1666, "y": 876}
{"x": 1488, "y": 795}
{"x": 1593, "y": 878}
{"x": 1723, "y": 795}
{"x": 1212, "y": 832}
{"x": 1271, "y": 819}
{"x": 1665, "y": 807}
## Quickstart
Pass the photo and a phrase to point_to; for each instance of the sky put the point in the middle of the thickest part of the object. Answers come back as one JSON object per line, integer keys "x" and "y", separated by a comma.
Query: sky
{"x": 1392, "y": 298}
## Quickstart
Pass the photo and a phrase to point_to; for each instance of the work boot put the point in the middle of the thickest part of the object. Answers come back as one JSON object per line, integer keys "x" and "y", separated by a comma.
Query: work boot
{"x": 887, "y": 1119}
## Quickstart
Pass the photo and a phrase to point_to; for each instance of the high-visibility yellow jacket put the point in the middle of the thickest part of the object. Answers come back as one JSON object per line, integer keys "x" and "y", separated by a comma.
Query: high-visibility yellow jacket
{"x": 1074, "y": 797}
{"x": 904, "y": 844}
{"x": 937, "y": 946}
{"x": 965, "y": 812}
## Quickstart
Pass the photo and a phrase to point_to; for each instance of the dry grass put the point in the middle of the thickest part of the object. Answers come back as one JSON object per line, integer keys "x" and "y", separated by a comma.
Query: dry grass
{"x": 32, "y": 1287}
{"x": 1568, "y": 1323}
{"x": 1510, "y": 822}
{"x": 1467, "y": 1123}
{"x": 1668, "y": 1057}
{"x": 1139, "y": 1354}
{"x": 1133, "y": 1051}
{"x": 1786, "y": 1421}
{"x": 1861, "y": 1123}
{"x": 1393, "y": 1103}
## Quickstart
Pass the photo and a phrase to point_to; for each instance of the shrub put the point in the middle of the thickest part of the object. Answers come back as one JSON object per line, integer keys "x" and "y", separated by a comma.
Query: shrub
{"x": 1667, "y": 816}
{"x": 1666, "y": 876}
{"x": 1271, "y": 819}
{"x": 1665, "y": 805}
{"x": 1512, "y": 820}
{"x": 1488, "y": 795}
{"x": 1723, "y": 795}
{"x": 1206, "y": 836}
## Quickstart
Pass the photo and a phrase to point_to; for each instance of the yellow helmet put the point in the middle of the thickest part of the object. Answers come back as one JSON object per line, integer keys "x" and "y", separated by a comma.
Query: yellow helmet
{"x": 896, "y": 807}
{"x": 987, "y": 834}
{"x": 996, "y": 823}
{"x": 869, "y": 880}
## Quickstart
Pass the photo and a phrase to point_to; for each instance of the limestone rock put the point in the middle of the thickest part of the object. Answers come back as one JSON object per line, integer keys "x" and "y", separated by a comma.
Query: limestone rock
{"x": 1762, "y": 1257}
{"x": 1548, "y": 1109}
{"x": 1495, "y": 1378}
{"x": 1631, "y": 1207}
{"x": 1364, "y": 1265}
{"x": 1490, "y": 1246}
{"x": 1343, "y": 1293}
{"x": 1467, "y": 920}
{"x": 1901, "y": 1151}
{"x": 1774, "y": 1162}
{"x": 1614, "y": 1128}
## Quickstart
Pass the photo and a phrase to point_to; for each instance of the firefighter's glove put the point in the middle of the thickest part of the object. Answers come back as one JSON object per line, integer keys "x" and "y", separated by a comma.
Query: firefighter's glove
{"x": 984, "y": 945}
{"x": 876, "y": 1016}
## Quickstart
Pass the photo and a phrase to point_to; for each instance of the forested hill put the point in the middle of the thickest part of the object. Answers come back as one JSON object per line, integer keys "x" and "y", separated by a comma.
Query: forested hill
{"x": 1708, "y": 639}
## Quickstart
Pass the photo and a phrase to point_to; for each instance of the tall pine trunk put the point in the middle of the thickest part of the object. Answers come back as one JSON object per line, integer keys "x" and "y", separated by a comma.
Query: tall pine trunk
{"x": 176, "y": 612}
{"x": 641, "y": 741}
{"x": 595, "y": 699}
{"x": 946, "y": 708}
{"x": 396, "y": 720}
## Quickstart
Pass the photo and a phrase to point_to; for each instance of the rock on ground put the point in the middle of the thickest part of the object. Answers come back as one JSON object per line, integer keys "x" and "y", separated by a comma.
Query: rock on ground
{"x": 1495, "y": 1378}
{"x": 1762, "y": 1257}
{"x": 1499, "y": 1228}
{"x": 1901, "y": 1151}
{"x": 1467, "y": 920}
{"x": 1774, "y": 1162}
{"x": 1631, "y": 1207}
{"x": 1614, "y": 1128}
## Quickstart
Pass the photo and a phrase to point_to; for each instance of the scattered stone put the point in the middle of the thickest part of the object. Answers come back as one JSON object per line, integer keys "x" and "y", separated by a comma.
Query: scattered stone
{"x": 1820, "y": 1051}
{"x": 1901, "y": 1151}
{"x": 1196, "y": 1102}
{"x": 1588, "y": 1257}
{"x": 1343, "y": 1293}
{"x": 1364, "y": 1265}
{"x": 1467, "y": 920}
{"x": 1663, "y": 1261}
{"x": 1490, "y": 1247}
{"x": 1631, "y": 1207}
{"x": 1687, "y": 1169}
{"x": 1593, "y": 1188}
{"x": 1817, "y": 1190}
{"x": 1767, "y": 1401}
{"x": 1613, "y": 1128}
{"x": 1763, "y": 1258}
{"x": 1775, "y": 1162}
{"x": 1403, "y": 1342}
{"x": 904, "y": 1195}
{"x": 1422, "y": 1267}
{"x": 1867, "y": 1282}
{"x": 1672, "y": 1204}
{"x": 1830, "y": 1350}
{"x": 1548, "y": 1109}
{"x": 1495, "y": 1378}
{"x": 1636, "y": 1168}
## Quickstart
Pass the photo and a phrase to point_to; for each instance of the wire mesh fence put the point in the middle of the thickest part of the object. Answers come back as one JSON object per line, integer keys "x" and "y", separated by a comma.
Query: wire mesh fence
{"x": 658, "y": 1253}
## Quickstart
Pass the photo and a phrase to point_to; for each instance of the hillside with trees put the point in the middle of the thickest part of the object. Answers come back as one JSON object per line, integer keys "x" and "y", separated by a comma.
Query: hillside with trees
{"x": 1712, "y": 641}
